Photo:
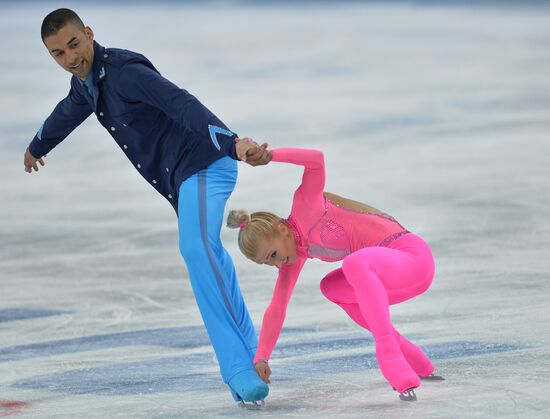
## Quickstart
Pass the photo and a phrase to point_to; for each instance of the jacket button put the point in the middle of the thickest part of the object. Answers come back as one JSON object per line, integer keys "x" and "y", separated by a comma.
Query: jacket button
{"x": 101, "y": 114}
{"x": 105, "y": 55}
{"x": 113, "y": 128}
{"x": 154, "y": 181}
{"x": 170, "y": 195}
{"x": 138, "y": 166}
{"x": 125, "y": 147}
{"x": 167, "y": 170}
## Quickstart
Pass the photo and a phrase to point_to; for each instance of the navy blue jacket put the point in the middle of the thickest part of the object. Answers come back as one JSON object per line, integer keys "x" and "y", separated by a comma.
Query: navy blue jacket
{"x": 165, "y": 132}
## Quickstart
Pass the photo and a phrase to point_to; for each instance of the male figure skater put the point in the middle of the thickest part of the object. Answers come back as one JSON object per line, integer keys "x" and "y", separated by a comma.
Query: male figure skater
{"x": 184, "y": 151}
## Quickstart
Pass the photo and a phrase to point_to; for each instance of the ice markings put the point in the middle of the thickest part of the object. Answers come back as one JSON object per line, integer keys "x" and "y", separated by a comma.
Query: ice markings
{"x": 355, "y": 362}
{"x": 13, "y": 314}
{"x": 176, "y": 337}
{"x": 199, "y": 371}
{"x": 334, "y": 344}
{"x": 12, "y": 407}
{"x": 152, "y": 376}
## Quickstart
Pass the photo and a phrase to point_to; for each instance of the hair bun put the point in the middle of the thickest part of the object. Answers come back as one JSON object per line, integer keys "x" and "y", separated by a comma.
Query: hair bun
{"x": 238, "y": 219}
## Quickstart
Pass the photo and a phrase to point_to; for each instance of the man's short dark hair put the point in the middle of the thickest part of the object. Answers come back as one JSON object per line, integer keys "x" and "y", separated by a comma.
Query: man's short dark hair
{"x": 57, "y": 19}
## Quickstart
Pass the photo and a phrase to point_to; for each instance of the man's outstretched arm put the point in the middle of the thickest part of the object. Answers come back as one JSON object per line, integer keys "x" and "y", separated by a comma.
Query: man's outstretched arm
{"x": 67, "y": 115}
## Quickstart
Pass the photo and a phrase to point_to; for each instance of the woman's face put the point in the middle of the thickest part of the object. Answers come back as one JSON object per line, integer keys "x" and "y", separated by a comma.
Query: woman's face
{"x": 278, "y": 250}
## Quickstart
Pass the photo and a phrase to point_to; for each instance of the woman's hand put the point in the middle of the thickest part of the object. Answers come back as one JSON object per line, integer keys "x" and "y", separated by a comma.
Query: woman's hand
{"x": 263, "y": 371}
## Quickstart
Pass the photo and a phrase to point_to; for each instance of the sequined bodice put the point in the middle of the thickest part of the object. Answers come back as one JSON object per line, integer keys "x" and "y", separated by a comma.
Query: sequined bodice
{"x": 339, "y": 231}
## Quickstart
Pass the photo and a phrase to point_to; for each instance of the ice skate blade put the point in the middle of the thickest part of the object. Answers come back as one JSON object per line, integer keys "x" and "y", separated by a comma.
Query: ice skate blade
{"x": 408, "y": 395}
{"x": 256, "y": 405}
{"x": 433, "y": 377}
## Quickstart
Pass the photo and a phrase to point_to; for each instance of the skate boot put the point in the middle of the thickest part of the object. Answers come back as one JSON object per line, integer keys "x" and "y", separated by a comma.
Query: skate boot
{"x": 418, "y": 360}
{"x": 395, "y": 368}
{"x": 246, "y": 386}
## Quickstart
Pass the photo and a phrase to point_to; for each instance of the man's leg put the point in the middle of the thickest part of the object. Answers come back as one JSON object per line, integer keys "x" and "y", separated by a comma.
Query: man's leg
{"x": 202, "y": 200}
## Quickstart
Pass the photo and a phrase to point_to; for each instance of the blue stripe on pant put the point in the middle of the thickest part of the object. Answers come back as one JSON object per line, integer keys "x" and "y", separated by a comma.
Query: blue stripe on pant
{"x": 201, "y": 204}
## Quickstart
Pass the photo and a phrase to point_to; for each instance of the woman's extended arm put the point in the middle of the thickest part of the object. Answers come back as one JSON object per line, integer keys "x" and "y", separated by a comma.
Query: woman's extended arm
{"x": 313, "y": 180}
{"x": 275, "y": 313}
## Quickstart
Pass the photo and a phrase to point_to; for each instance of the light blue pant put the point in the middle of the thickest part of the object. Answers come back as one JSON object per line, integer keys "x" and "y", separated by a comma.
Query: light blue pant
{"x": 201, "y": 204}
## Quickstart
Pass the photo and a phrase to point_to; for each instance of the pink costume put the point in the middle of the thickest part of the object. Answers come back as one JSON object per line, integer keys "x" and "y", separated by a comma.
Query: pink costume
{"x": 383, "y": 264}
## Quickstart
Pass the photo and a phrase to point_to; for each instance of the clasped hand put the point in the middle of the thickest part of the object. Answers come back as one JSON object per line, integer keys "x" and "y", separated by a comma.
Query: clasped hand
{"x": 252, "y": 153}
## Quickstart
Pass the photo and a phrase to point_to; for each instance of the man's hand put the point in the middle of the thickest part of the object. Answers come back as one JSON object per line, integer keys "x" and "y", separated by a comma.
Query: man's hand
{"x": 31, "y": 163}
{"x": 263, "y": 371}
{"x": 244, "y": 146}
{"x": 250, "y": 152}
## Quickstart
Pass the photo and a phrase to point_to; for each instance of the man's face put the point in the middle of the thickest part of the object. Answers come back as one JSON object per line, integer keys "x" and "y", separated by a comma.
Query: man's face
{"x": 73, "y": 49}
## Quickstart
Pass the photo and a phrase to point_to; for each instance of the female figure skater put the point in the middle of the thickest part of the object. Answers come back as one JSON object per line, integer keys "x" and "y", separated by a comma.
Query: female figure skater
{"x": 383, "y": 264}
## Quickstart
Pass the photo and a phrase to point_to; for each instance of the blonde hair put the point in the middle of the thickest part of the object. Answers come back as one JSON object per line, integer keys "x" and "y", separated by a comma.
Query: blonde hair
{"x": 254, "y": 228}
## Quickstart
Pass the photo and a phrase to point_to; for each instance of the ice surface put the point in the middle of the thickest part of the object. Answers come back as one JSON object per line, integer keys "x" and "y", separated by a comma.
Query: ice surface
{"x": 437, "y": 114}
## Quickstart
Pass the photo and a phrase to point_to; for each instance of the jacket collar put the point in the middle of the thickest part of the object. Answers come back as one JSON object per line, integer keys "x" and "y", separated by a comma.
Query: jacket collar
{"x": 98, "y": 73}
{"x": 98, "y": 67}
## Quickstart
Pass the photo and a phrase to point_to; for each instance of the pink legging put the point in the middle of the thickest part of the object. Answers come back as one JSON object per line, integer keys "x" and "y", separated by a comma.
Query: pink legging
{"x": 369, "y": 281}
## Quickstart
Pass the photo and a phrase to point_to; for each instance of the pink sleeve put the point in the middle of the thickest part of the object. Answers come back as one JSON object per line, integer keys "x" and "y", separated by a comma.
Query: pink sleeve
{"x": 313, "y": 180}
{"x": 275, "y": 313}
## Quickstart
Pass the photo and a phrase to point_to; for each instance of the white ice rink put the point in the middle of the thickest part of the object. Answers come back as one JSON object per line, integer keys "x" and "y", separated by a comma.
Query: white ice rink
{"x": 439, "y": 115}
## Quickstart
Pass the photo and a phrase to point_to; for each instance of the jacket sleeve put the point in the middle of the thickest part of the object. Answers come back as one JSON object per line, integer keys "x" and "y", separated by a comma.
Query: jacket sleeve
{"x": 67, "y": 115}
{"x": 139, "y": 82}
{"x": 275, "y": 314}
{"x": 313, "y": 179}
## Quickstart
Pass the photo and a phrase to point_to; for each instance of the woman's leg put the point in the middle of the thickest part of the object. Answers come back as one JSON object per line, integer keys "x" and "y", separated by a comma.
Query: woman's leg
{"x": 375, "y": 273}
{"x": 335, "y": 288}
{"x": 201, "y": 204}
